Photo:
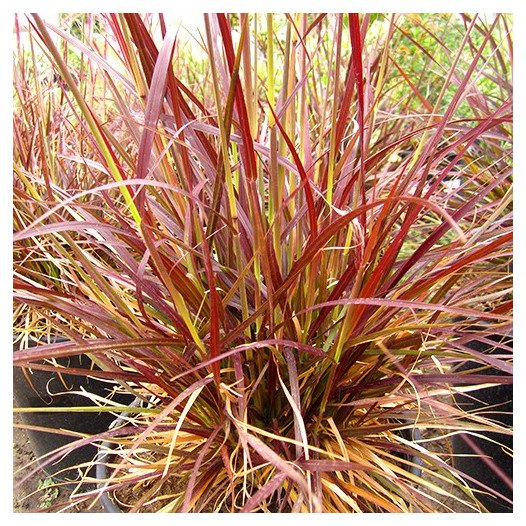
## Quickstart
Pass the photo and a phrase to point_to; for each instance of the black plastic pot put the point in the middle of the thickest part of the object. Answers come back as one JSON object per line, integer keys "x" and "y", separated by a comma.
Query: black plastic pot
{"x": 467, "y": 448}
{"x": 43, "y": 391}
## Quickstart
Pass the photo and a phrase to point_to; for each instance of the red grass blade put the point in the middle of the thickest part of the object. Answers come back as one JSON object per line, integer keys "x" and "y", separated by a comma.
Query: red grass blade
{"x": 357, "y": 67}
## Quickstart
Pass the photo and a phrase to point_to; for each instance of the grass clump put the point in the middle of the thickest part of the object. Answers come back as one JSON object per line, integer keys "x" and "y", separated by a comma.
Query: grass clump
{"x": 261, "y": 239}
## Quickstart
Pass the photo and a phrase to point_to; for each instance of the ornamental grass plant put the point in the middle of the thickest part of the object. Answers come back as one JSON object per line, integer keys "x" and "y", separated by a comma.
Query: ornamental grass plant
{"x": 278, "y": 236}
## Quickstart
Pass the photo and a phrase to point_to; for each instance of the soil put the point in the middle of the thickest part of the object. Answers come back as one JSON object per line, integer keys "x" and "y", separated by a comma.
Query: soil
{"x": 127, "y": 498}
